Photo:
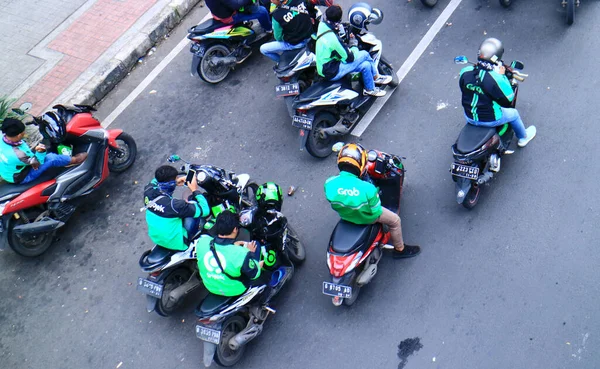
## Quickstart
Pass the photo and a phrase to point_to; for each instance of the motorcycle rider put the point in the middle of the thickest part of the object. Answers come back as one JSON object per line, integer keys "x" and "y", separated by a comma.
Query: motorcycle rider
{"x": 335, "y": 60}
{"x": 173, "y": 223}
{"x": 18, "y": 164}
{"x": 235, "y": 11}
{"x": 487, "y": 94}
{"x": 227, "y": 266}
{"x": 357, "y": 200}
{"x": 293, "y": 24}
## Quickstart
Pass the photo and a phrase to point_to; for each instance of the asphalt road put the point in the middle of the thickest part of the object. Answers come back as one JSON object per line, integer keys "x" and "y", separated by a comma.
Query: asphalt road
{"x": 511, "y": 284}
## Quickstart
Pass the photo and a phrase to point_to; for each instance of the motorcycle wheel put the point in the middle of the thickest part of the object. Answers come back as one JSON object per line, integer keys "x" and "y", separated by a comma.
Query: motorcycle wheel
{"x": 215, "y": 74}
{"x": 120, "y": 160}
{"x": 429, "y": 3}
{"x": 176, "y": 278}
{"x": 505, "y": 3}
{"x": 316, "y": 145}
{"x": 570, "y": 11}
{"x": 385, "y": 67}
{"x": 224, "y": 355}
{"x": 355, "y": 293}
{"x": 295, "y": 248}
{"x": 29, "y": 246}
{"x": 472, "y": 198}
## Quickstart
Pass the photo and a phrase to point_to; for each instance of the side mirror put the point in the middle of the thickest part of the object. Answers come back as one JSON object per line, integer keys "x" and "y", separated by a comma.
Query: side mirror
{"x": 25, "y": 107}
{"x": 337, "y": 147}
{"x": 518, "y": 65}
{"x": 376, "y": 16}
{"x": 173, "y": 158}
{"x": 372, "y": 155}
{"x": 461, "y": 59}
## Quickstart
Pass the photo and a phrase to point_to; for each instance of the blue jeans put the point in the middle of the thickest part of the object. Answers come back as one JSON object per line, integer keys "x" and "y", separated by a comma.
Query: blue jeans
{"x": 51, "y": 160}
{"x": 257, "y": 12}
{"x": 509, "y": 115}
{"x": 191, "y": 226}
{"x": 273, "y": 49}
{"x": 362, "y": 63}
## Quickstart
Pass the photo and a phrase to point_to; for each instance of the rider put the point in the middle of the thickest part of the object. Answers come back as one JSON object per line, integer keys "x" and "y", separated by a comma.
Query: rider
{"x": 487, "y": 94}
{"x": 335, "y": 60}
{"x": 18, "y": 164}
{"x": 235, "y": 11}
{"x": 357, "y": 201}
{"x": 172, "y": 223}
{"x": 293, "y": 22}
{"x": 227, "y": 266}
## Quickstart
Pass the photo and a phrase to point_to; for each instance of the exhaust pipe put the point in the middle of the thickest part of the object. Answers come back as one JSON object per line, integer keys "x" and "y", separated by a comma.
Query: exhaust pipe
{"x": 228, "y": 61}
{"x": 191, "y": 284}
{"x": 246, "y": 335}
{"x": 366, "y": 275}
{"x": 44, "y": 225}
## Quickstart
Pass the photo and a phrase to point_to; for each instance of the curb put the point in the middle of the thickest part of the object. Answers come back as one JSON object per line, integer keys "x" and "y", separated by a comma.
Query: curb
{"x": 117, "y": 68}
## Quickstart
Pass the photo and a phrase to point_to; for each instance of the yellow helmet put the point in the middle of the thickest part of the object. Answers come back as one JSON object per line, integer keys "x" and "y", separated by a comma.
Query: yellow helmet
{"x": 354, "y": 155}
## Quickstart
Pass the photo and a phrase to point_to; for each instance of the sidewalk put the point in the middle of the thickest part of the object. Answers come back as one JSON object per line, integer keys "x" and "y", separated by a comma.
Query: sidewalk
{"x": 75, "y": 51}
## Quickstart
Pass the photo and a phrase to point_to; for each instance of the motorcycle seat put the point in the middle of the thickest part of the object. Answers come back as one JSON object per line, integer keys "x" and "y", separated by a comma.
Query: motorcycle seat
{"x": 159, "y": 255}
{"x": 213, "y": 303}
{"x": 12, "y": 190}
{"x": 472, "y": 138}
{"x": 347, "y": 237}
{"x": 318, "y": 89}
{"x": 206, "y": 27}
{"x": 286, "y": 58}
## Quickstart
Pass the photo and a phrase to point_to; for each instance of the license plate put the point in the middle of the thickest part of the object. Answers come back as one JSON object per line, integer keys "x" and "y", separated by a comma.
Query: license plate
{"x": 208, "y": 334}
{"x": 465, "y": 171}
{"x": 287, "y": 89}
{"x": 302, "y": 121}
{"x": 338, "y": 290}
{"x": 150, "y": 288}
{"x": 197, "y": 49}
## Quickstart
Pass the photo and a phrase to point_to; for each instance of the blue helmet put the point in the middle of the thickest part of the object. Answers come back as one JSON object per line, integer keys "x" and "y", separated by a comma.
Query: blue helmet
{"x": 361, "y": 14}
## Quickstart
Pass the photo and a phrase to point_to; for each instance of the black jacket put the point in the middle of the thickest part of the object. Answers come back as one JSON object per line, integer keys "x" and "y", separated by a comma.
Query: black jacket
{"x": 295, "y": 20}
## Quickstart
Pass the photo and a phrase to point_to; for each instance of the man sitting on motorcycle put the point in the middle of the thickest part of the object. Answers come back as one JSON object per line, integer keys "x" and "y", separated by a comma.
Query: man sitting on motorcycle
{"x": 357, "y": 200}
{"x": 236, "y": 11}
{"x": 18, "y": 164}
{"x": 487, "y": 94}
{"x": 227, "y": 266}
{"x": 173, "y": 223}
{"x": 293, "y": 22}
{"x": 335, "y": 59}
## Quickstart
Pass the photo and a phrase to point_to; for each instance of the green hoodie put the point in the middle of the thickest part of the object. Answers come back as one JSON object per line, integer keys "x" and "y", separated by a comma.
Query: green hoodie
{"x": 355, "y": 200}
{"x": 330, "y": 51}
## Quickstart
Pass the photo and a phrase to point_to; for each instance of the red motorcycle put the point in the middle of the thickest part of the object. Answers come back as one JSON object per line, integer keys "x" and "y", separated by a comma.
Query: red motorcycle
{"x": 355, "y": 250}
{"x": 31, "y": 213}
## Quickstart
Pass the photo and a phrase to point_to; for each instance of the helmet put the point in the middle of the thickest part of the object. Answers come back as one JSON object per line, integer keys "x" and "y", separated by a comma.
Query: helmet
{"x": 358, "y": 14}
{"x": 354, "y": 155}
{"x": 269, "y": 196}
{"x": 491, "y": 49}
{"x": 52, "y": 126}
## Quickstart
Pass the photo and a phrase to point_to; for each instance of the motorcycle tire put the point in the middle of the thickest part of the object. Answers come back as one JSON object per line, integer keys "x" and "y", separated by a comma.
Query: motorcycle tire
{"x": 429, "y": 3}
{"x": 570, "y": 11}
{"x": 316, "y": 145}
{"x": 224, "y": 355}
{"x": 174, "y": 279}
{"x": 210, "y": 74}
{"x": 295, "y": 249}
{"x": 355, "y": 293}
{"x": 128, "y": 149}
{"x": 506, "y": 3}
{"x": 30, "y": 246}
{"x": 385, "y": 67}
{"x": 472, "y": 198}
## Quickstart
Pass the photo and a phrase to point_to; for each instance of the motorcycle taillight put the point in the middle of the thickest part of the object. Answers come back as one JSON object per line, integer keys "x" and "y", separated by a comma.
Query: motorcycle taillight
{"x": 204, "y": 321}
{"x": 155, "y": 274}
{"x": 285, "y": 79}
{"x": 491, "y": 142}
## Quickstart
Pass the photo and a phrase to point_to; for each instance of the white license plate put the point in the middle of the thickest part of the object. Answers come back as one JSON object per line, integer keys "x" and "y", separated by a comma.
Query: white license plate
{"x": 302, "y": 121}
{"x": 208, "y": 334}
{"x": 464, "y": 171}
{"x": 150, "y": 288}
{"x": 337, "y": 290}
{"x": 287, "y": 89}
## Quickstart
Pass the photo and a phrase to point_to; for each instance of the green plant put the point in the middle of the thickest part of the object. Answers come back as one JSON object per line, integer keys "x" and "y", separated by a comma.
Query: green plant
{"x": 6, "y": 111}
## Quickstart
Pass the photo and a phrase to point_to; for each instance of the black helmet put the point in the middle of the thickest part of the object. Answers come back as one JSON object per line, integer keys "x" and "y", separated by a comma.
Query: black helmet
{"x": 491, "y": 49}
{"x": 52, "y": 126}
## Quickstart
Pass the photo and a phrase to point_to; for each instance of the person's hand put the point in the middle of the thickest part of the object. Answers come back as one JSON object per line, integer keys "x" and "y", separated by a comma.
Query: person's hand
{"x": 261, "y": 264}
{"x": 180, "y": 181}
{"x": 352, "y": 41}
{"x": 251, "y": 246}
{"x": 193, "y": 185}
{"x": 502, "y": 69}
{"x": 40, "y": 148}
{"x": 35, "y": 165}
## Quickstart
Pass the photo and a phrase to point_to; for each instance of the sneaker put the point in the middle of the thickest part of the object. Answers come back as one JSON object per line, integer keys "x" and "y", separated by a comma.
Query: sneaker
{"x": 383, "y": 80}
{"x": 407, "y": 252}
{"x": 531, "y": 131}
{"x": 375, "y": 92}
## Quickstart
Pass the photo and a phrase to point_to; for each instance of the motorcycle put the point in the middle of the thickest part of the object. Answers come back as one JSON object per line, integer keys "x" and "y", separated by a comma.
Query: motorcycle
{"x": 355, "y": 250}
{"x": 173, "y": 274}
{"x": 218, "y": 47}
{"x": 478, "y": 150}
{"x": 227, "y": 324}
{"x": 31, "y": 213}
{"x": 330, "y": 109}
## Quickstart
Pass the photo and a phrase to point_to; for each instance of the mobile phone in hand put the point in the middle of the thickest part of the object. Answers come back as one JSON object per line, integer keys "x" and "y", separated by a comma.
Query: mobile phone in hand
{"x": 190, "y": 176}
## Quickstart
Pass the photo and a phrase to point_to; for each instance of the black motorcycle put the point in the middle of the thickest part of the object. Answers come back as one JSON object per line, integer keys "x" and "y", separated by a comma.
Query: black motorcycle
{"x": 478, "y": 150}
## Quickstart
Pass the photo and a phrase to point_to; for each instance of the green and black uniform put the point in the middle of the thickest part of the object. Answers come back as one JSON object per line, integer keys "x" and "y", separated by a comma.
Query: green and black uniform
{"x": 355, "y": 200}
{"x": 164, "y": 215}
{"x": 484, "y": 93}
{"x": 293, "y": 22}
{"x": 237, "y": 262}
{"x": 330, "y": 51}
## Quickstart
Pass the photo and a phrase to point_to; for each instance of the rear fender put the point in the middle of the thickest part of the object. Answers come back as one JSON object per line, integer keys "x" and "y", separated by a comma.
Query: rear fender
{"x": 112, "y": 137}
{"x": 29, "y": 198}
{"x": 463, "y": 186}
{"x": 3, "y": 232}
{"x": 195, "y": 63}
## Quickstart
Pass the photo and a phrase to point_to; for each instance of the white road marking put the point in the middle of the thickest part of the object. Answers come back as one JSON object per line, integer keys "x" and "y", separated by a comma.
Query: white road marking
{"x": 149, "y": 78}
{"x": 412, "y": 59}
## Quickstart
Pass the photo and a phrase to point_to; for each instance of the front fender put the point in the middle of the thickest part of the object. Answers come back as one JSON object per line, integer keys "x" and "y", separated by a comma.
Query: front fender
{"x": 112, "y": 137}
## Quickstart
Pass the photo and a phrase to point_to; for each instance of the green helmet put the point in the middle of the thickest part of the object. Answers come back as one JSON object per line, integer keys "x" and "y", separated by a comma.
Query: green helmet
{"x": 269, "y": 196}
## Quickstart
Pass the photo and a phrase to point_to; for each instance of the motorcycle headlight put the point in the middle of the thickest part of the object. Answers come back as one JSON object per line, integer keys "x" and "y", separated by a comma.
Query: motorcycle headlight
{"x": 201, "y": 177}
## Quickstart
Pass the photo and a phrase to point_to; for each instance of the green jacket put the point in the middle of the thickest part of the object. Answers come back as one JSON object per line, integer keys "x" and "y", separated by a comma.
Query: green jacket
{"x": 16, "y": 160}
{"x": 355, "y": 200}
{"x": 330, "y": 51}
{"x": 236, "y": 260}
